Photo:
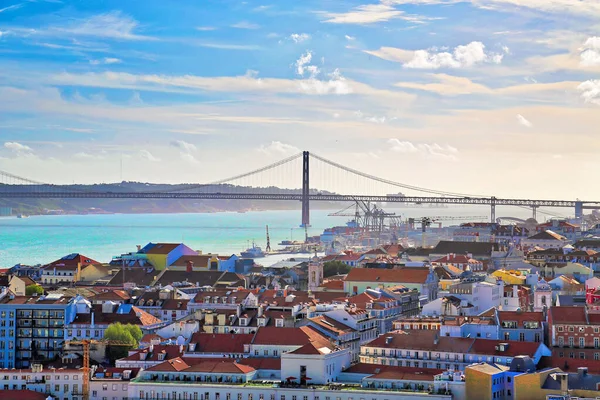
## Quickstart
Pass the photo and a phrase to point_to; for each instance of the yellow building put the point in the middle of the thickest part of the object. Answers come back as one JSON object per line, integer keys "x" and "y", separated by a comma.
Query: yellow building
{"x": 485, "y": 381}
{"x": 510, "y": 277}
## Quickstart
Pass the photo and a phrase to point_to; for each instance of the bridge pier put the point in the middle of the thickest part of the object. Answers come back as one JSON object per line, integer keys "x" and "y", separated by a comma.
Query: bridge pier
{"x": 579, "y": 209}
{"x": 493, "y": 210}
{"x": 534, "y": 209}
{"x": 305, "y": 189}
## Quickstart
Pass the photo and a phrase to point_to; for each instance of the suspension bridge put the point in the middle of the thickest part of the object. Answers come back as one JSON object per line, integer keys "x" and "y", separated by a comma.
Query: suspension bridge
{"x": 328, "y": 182}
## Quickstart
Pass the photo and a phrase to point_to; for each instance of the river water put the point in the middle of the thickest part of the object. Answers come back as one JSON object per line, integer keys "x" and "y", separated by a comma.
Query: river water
{"x": 42, "y": 239}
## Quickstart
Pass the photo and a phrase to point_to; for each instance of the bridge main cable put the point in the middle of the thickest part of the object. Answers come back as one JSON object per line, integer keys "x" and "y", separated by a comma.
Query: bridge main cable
{"x": 392, "y": 183}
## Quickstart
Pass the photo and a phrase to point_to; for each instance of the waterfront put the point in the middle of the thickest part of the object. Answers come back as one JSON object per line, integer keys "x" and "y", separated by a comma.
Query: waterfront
{"x": 41, "y": 239}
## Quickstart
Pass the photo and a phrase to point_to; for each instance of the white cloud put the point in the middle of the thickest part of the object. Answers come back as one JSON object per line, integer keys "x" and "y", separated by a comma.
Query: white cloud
{"x": 184, "y": 146}
{"x": 113, "y": 25}
{"x": 187, "y": 157}
{"x": 463, "y": 56}
{"x": 145, "y": 154}
{"x": 590, "y": 91}
{"x": 586, "y": 8}
{"x": 524, "y": 121}
{"x": 205, "y": 28}
{"x": 13, "y": 7}
{"x": 106, "y": 60}
{"x": 433, "y": 150}
{"x": 279, "y": 148}
{"x": 590, "y": 54}
{"x": 336, "y": 84}
{"x": 299, "y": 37}
{"x": 87, "y": 156}
{"x": 245, "y": 25}
{"x": 17, "y": 147}
{"x": 79, "y": 130}
{"x": 348, "y": 37}
{"x": 373, "y": 13}
{"x": 303, "y": 64}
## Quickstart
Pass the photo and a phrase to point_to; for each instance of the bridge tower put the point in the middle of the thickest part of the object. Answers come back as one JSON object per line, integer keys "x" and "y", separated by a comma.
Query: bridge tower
{"x": 493, "y": 210}
{"x": 578, "y": 209}
{"x": 305, "y": 189}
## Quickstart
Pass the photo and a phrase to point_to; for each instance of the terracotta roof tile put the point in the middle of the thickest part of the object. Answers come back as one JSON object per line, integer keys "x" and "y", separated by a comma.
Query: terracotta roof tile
{"x": 400, "y": 275}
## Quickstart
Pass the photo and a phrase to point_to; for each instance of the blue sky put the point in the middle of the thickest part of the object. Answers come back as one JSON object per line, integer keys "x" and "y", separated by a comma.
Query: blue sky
{"x": 480, "y": 96}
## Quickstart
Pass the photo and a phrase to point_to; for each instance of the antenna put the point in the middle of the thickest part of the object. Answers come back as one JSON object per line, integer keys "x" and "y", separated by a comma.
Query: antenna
{"x": 121, "y": 167}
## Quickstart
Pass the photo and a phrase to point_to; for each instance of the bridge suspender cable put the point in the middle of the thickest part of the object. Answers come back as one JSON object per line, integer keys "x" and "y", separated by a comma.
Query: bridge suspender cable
{"x": 392, "y": 183}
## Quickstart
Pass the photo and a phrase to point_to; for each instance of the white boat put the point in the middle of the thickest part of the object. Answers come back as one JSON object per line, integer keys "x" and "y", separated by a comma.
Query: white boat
{"x": 22, "y": 216}
{"x": 253, "y": 252}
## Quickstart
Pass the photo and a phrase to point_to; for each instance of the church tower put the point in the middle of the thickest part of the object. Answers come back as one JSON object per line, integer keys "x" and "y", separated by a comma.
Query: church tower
{"x": 315, "y": 274}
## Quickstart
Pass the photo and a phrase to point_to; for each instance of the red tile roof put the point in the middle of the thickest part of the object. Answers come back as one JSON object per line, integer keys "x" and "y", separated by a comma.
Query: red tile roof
{"x": 280, "y": 336}
{"x": 393, "y": 372}
{"x": 515, "y": 348}
{"x": 568, "y": 315}
{"x": 118, "y": 295}
{"x": 221, "y": 342}
{"x": 135, "y": 316}
{"x": 202, "y": 365}
{"x": 400, "y": 275}
{"x": 22, "y": 395}
{"x": 423, "y": 340}
{"x": 171, "y": 351}
{"x": 163, "y": 248}
{"x": 175, "y": 304}
{"x": 520, "y": 317}
{"x": 333, "y": 285}
{"x": 70, "y": 261}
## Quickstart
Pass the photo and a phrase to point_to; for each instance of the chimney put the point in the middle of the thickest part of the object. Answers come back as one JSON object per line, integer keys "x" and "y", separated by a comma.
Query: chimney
{"x": 563, "y": 378}
{"x": 151, "y": 348}
{"x": 190, "y": 266}
{"x": 260, "y": 311}
{"x": 139, "y": 247}
{"x": 388, "y": 340}
{"x": 436, "y": 339}
{"x": 582, "y": 372}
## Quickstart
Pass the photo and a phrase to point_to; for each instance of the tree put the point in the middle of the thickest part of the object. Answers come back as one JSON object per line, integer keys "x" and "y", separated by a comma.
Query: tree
{"x": 331, "y": 268}
{"x": 30, "y": 290}
{"x": 117, "y": 332}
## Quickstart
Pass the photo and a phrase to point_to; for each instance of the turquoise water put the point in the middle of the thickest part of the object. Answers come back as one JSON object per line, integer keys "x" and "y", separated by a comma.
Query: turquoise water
{"x": 42, "y": 239}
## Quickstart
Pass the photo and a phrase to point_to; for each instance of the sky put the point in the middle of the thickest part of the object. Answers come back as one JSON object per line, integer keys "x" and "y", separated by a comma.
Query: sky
{"x": 496, "y": 97}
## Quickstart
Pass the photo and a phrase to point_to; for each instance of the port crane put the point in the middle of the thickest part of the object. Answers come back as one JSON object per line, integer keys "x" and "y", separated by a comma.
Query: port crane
{"x": 85, "y": 343}
{"x": 427, "y": 221}
{"x": 369, "y": 216}
{"x": 268, "y": 248}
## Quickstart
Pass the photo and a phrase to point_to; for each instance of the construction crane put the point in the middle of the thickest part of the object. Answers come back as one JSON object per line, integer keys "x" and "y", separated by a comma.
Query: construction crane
{"x": 85, "y": 343}
{"x": 427, "y": 221}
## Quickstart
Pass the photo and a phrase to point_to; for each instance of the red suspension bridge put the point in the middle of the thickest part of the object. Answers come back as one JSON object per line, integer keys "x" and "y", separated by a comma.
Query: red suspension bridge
{"x": 331, "y": 182}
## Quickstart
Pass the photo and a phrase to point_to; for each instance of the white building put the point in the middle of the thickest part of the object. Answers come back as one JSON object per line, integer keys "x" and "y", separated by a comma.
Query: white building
{"x": 546, "y": 240}
{"x": 60, "y": 383}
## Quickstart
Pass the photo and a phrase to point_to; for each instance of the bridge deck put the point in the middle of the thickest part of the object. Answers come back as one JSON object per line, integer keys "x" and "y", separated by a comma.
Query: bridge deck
{"x": 298, "y": 197}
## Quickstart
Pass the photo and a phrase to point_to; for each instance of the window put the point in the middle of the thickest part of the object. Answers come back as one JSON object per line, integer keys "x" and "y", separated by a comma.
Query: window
{"x": 571, "y": 341}
{"x": 538, "y": 337}
{"x": 94, "y": 393}
{"x": 581, "y": 342}
{"x": 582, "y": 355}
{"x": 105, "y": 387}
{"x": 597, "y": 342}
{"x": 596, "y": 356}
{"x": 561, "y": 341}
{"x": 114, "y": 387}
{"x": 560, "y": 329}
{"x": 521, "y": 337}
{"x": 581, "y": 329}
{"x": 571, "y": 329}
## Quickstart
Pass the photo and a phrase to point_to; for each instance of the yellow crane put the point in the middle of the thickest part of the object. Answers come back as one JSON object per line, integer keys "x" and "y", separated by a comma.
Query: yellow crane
{"x": 85, "y": 343}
